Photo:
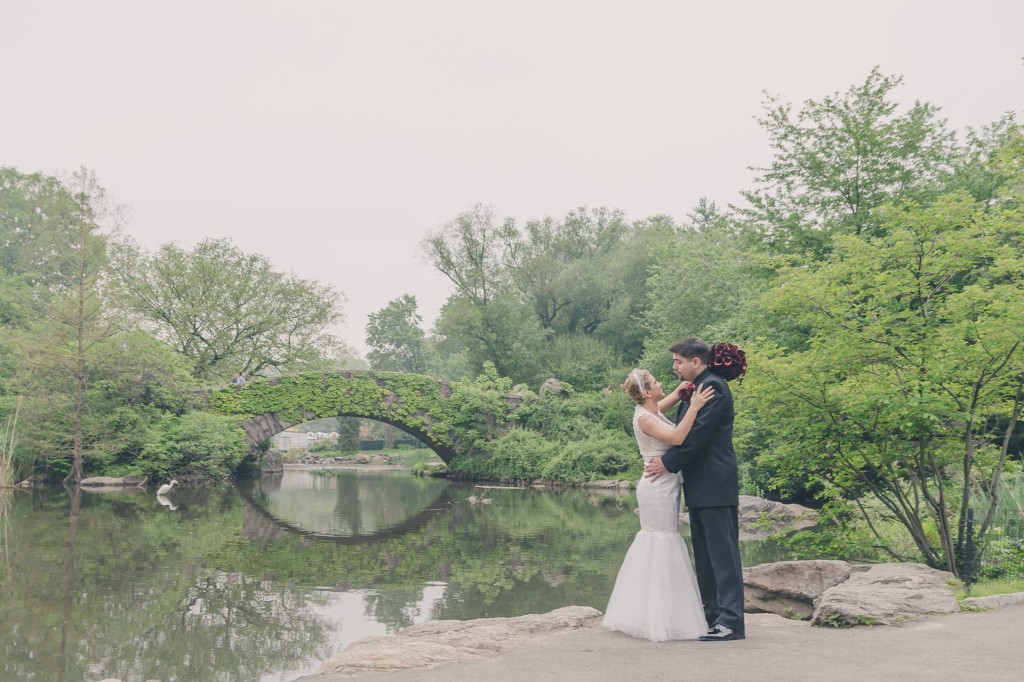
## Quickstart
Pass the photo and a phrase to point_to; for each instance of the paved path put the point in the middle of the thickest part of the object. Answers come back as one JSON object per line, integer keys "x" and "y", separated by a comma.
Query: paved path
{"x": 979, "y": 647}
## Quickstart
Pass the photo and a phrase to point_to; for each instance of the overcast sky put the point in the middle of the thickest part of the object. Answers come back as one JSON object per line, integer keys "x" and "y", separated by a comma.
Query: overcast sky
{"x": 332, "y": 135}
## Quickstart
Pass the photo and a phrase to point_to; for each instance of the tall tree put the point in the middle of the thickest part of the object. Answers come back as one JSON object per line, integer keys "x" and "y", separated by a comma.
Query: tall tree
{"x": 468, "y": 251}
{"x": 484, "y": 320}
{"x": 396, "y": 341}
{"x": 228, "y": 310}
{"x": 62, "y": 265}
{"x": 559, "y": 266}
{"x": 701, "y": 279}
{"x": 910, "y": 389}
{"x": 837, "y": 159}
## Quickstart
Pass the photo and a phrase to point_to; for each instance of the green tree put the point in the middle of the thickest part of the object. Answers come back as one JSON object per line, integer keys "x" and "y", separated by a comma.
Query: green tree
{"x": 837, "y": 159}
{"x": 395, "y": 338}
{"x": 557, "y": 266}
{"x": 468, "y": 251}
{"x": 197, "y": 445}
{"x": 504, "y": 332}
{"x": 909, "y": 389}
{"x": 227, "y": 310}
{"x": 348, "y": 434}
{"x": 68, "y": 237}
{"x": 702, "y": 279}
{"x": 519, "y": 291}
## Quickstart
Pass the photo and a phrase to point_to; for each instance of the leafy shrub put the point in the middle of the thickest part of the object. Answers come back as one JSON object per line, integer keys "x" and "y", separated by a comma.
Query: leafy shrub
{"x": 576, "y": 416}
{"x": 518, "y": 455}
{"x": 604, "y": 453}
{"x": 197, "y": 445}
{"x": 479, "y": 406}
{"x": 580, "y": 360}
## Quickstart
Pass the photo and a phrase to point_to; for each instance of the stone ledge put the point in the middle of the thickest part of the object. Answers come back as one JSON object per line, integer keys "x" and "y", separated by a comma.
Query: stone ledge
{"x": 449, "y": 641}
{"x": 995, "y": 600}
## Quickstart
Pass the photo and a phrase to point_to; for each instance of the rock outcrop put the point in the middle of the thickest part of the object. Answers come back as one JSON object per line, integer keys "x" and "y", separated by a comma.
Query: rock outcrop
{"x": 449, "y": 641}
{"x": 345, "y": 460}
{"x": 760, "y": 518}
{"x": 791, "y": 588}
{"x": 886, "y": 594}
{"x": 271, "y": 462}
{"x": 838, "y": 594}
{"x": 110, "y": 481}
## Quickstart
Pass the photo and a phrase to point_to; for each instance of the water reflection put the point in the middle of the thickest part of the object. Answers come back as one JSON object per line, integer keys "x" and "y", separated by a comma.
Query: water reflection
{"x": 164, "y": 502}
{"x": 344, "y": 506}
{"x": 240, "y": 584}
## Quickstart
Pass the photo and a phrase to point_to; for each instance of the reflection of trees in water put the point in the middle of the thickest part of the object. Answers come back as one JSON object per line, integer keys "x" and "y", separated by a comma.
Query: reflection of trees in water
{"x": 237, "y": 625}
{"x": 397, "y": 607}
{"x": 134, "y": 599}
{"x": 346, "y": 504}
{"x": 5, "y": 511}
{"x": 153, "y": 588}
{"x": 528, "y": 551}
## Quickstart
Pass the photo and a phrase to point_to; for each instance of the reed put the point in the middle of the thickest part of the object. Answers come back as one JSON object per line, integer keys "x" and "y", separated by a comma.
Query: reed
{"x": 8, "y": 431}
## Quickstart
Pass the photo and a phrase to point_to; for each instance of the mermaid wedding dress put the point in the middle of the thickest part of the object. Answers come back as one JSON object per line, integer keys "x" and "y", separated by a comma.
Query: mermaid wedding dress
{"x": 655, "y": 595}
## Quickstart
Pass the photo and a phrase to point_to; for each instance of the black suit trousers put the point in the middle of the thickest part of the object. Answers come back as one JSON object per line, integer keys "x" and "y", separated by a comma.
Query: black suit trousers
{"x": 714, "y": 532}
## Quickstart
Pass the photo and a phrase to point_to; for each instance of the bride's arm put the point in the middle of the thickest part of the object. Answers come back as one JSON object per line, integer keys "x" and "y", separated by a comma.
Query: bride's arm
{"x": 674, "y": 435}
{"x": 671, "y": 399}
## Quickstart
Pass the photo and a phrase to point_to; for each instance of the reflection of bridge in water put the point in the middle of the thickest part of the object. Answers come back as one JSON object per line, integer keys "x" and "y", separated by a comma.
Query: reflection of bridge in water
{"x": 264, "y": 526}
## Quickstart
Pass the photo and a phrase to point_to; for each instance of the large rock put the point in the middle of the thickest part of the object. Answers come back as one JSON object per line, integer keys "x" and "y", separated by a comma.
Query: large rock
{"x": 271, "y": 462}
{"x": 110, "y": 481}
{"x": 449, "y": 641}
{"x": 760, "y": 518}
{"x": 552, "y": 386}
{"x": 791, "y": 588}
{"x": 886, "y": 594}
{"x": 994, "y": 600}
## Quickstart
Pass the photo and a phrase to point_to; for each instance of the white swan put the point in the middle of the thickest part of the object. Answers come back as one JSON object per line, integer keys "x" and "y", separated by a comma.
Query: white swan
{"x": 166, "y": 487}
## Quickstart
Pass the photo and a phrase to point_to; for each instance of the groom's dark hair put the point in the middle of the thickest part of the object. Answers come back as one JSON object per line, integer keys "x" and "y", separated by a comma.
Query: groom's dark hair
{"x": 692, "y": 348}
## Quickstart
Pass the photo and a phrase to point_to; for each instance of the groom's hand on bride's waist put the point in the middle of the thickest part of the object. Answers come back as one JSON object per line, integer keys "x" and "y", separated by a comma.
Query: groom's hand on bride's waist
{"x": 654, "y": 468}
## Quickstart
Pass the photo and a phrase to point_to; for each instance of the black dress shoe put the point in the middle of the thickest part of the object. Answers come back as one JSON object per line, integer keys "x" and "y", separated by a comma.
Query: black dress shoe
{"x": 720, "y": 633}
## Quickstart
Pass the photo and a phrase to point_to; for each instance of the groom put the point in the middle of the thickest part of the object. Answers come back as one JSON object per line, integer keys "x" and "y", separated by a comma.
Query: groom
{"x": 711, "y": 487}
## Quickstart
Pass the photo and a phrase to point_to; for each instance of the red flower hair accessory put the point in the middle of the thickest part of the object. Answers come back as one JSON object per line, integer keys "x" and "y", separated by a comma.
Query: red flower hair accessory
{"x": 728, "y": 361}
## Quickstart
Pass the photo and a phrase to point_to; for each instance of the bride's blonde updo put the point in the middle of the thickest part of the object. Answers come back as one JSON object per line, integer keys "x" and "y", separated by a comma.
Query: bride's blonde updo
{"x": 636, "y": 383}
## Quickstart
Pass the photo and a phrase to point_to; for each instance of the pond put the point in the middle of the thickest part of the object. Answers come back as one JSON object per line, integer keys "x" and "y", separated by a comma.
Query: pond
{"x": 264, "y": 580}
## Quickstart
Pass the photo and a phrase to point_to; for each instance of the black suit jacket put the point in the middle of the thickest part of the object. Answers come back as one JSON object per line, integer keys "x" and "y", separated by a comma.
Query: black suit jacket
{"x": 706, "y": 457}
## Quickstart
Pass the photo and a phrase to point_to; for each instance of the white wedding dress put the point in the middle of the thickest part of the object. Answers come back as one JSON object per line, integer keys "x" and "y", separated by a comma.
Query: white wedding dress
{"x": 655, "y": 595}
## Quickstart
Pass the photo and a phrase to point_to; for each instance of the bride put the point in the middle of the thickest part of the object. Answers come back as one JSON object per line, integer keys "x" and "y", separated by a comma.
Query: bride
{"x": 655, "y": 595}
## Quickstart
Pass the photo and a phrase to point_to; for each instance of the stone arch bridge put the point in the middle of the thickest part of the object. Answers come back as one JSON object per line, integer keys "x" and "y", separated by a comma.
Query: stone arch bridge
{"x": 422, "y": 406}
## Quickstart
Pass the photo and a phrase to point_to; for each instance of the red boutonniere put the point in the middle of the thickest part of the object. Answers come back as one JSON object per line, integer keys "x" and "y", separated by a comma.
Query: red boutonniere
{"x": 686, "y": 391}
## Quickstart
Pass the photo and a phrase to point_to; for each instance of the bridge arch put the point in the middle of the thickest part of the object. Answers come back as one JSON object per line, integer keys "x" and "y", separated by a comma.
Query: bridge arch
{"x": 421, "y": 406}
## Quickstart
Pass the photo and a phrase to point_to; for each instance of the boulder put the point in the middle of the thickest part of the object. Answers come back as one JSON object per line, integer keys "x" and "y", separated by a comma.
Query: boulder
{"x": 995, "y": 600}
{"x": 449, "y": 641}
{"x": 271, "y": 462}
{"x": 553, "y": 386}
{"x": 790, "y": 588}
{"x": 760, "y": 518}
{"x": 110, "y": 481}
{"x": 886, "y": 594}
{"x": 603, "y": 485}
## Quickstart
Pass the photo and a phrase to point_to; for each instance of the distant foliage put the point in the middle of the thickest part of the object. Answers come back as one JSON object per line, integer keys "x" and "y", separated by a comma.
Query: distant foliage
{"x": 197, "y": 445}
{"x": 518, "y": 455}
{"x": 603, "y": 454}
